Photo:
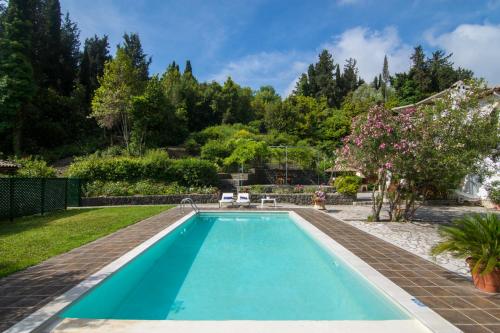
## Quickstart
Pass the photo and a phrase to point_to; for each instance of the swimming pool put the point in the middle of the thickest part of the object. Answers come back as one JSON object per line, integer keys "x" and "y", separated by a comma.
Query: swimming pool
{"x": 236, "y": 266}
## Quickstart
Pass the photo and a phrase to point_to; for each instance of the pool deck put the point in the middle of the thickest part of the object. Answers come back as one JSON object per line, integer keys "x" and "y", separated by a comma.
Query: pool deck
{"x": 447, "y": 293}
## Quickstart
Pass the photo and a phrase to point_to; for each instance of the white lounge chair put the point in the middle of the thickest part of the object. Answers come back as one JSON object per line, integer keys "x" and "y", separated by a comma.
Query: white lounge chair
{"x": 243, "y": 198}
{"x": 226, "y": 198}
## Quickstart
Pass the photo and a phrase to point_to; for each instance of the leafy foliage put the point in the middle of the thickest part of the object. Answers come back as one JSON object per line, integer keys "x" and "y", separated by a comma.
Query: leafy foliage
{"x": 348, "y": 185}
{"x": 494, "y": 192}
{"x": 34, "y": 167}
{"x": 143, "y": 187}
{"x": 155, "y": 165}
{"x": 476, "y": 237}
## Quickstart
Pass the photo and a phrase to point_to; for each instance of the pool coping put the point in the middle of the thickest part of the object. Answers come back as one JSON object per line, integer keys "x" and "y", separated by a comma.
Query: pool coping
{"x": 402, "y": 298}
{"x": 45, "y": 317}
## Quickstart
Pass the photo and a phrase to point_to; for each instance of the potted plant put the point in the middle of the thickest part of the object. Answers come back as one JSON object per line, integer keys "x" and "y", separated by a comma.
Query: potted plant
{"x": 319, "y": 199}
{"x": 476, "y": 238}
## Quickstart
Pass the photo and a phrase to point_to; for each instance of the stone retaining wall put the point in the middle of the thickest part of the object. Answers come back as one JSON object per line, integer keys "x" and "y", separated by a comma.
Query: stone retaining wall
{"x": 295, "y": 198}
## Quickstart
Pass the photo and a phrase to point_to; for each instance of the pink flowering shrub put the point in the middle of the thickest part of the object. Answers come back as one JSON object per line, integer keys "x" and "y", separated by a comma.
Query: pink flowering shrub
{"x": 414, "y": 153}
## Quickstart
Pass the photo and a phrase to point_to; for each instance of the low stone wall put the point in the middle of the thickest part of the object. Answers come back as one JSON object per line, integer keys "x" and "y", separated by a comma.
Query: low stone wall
{"x": 173, "y": 199}
{"x": 295, "y": 198}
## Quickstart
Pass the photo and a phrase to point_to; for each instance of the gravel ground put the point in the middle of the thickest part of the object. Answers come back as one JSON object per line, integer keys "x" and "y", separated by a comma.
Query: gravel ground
{"x": 416, "y": 237}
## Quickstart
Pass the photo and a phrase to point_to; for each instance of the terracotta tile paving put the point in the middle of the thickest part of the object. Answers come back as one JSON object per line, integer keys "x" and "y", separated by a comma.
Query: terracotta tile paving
{"x": 447, "y": 293}
{"x": 26, "y": 291}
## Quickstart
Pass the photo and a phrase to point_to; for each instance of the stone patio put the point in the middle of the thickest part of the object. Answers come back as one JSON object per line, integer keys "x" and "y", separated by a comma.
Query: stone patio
{"x": 447, "y": 293}
{"x": 417, "y": 237}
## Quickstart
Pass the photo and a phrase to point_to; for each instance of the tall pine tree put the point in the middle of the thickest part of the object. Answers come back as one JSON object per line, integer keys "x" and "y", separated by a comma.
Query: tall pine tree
{"x": 133, "y": 48}
{"x": 95, "y": 54}
{"x": 17, "y": 85}
{"x": 324, "y": 79}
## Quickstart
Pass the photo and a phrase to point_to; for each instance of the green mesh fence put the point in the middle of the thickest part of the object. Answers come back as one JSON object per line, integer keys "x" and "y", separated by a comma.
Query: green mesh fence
{"x": 29, "y": 196}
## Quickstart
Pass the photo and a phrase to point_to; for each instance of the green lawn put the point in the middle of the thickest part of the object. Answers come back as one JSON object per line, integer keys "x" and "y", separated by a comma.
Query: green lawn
{"x": 30, "y": 240}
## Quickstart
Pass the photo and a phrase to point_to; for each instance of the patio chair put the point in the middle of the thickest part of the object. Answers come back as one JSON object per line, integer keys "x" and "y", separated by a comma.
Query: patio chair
{"x": 243, "y": 198}
{"x": 226, "y": 198}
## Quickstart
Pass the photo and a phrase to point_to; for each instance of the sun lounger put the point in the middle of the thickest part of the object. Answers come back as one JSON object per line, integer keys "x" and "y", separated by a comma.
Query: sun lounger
{"x": 243, "y": 198}
{"x": 226, "y": 198}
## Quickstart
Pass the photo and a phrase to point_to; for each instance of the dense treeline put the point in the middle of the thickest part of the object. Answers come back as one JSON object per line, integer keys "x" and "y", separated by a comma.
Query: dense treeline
{"x": 59, "y": 96}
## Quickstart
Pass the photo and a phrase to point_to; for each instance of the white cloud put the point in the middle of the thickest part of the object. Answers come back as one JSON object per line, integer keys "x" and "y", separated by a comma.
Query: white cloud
{"x": 282, "y": 69}
{"x": 475, "y": 47}
{"x": 369, "y": 47}
{"x": 266, "y": 68}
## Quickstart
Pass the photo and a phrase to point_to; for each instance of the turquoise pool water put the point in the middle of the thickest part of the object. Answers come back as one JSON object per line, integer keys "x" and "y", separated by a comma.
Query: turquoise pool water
{"x": 236, "y": 266}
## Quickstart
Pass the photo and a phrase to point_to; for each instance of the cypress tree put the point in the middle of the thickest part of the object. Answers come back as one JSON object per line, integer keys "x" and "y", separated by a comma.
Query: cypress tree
{"x": 188, "y": 68}
{"x": 311, "y": 75}
{"x": 70, "y": 55}
{"x": 95, "y": 55}
{"x": 385, "y": 78}
{"x": 17, "y": 85}
{"x": 51, "y": 56}
{"x": 324, "y": 78}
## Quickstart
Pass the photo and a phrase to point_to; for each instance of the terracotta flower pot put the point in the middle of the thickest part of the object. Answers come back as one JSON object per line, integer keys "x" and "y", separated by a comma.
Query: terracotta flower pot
{"x": 486, "y": 282}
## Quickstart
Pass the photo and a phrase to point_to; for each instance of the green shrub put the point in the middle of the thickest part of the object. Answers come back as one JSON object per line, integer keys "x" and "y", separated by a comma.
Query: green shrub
{"x": 195, "y": 172}
{"x": 34, "y": 167}
{"x": 494, "y": 192}
{"x": 348, "y": 185}
{"x": 106, "y": 168}
{"x": 215, "y": 151}
{"x": 157, "y": 165}
{"x": 143, "y": 187}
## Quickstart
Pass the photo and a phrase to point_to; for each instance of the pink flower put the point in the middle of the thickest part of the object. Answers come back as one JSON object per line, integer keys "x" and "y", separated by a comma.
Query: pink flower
{"x": 382, "y": 146}
{"x": 388, "y": 165}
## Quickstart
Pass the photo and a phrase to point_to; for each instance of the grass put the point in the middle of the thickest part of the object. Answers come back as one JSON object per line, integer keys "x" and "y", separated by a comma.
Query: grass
{"x": 30, "y": 240}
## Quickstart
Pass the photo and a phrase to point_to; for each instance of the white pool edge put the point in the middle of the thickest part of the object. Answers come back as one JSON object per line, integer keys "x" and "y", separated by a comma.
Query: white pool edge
{"x": 422, "y": 313}
{"x": 44, "y": 314}
{"x": 424, "y": 316}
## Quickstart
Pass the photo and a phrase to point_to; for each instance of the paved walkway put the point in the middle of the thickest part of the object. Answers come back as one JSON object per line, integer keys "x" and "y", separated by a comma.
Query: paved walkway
{"x": 26, "y": 291}
{"x": 417, "y": 237}
{"x": 447, "y": 293}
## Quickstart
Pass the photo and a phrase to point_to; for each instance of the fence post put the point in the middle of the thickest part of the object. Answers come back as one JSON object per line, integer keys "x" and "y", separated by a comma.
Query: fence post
{"x": 79, "y": 192}
{"x": 42, "y": 201}
{"x": 66, "y": 193}
{"x": 11, "y": 199}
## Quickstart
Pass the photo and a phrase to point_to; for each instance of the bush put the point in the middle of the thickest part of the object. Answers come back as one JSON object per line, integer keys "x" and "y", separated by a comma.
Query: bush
{"x": 348, "y": 185}
{"x": 34, "y": 167}
{"x": 215, "y": 151}
{"x": 494, "y": 192}
{"x": 143, "y": 187}
{"x": 155, "y": 165}
{"x": 195, "y": 172}
{"x": 106, "y": 168}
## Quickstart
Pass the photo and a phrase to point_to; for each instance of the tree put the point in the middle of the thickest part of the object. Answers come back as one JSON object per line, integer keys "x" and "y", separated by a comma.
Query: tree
{"x": 17, "y": 86}
{"x": 51, "y": 53}
{"x": 263, "y": 98}
{"x": 95, "y": 55}
{"x": 302, "y": 86}
{"x": 422, "y": 151}
{"x": 361, "y": 100}
{"x": 133, "y": 48}
{"x": 70, "y": 55}
{"x": 112, "y": 102}
{"x": 324, "y": 79}
{"x": 349, "y": 80}
{"x": 188, "y": 69}
{"x": 385, "y": 79}
{"x": 152, "y": 117}
{"x": 236, "y": 103}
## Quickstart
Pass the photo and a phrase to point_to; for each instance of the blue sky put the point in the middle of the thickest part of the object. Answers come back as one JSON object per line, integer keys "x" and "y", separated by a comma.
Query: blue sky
{"x": 262, "y": 42}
